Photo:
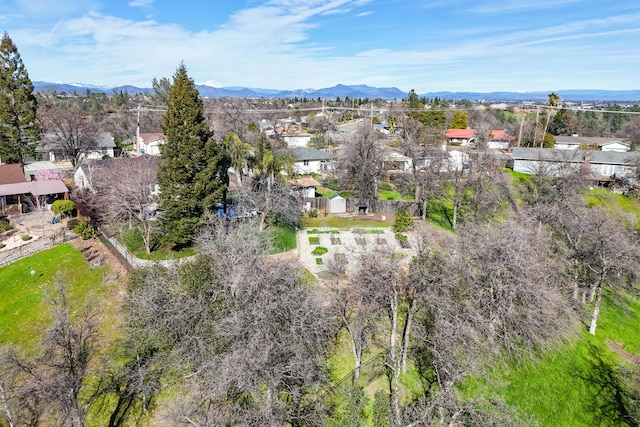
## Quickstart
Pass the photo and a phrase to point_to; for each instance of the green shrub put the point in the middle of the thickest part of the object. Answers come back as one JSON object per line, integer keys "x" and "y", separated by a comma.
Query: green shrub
{"x": 320, "y": 250}
{"x": 5, "y": 226}
{"x": 26, "y": 237}
{"x": 63, "y": 207}
{"x": 400, "y": 237}
{"x": 385, "y": 186}
{"x": 403, "y": 222}
{"x": 314, "y": 240}
{"x": 333, "y": 186}
{"x": 84, "y": 230}
{"x": 313, "y": 214}
{"x": 319, "y": 261}
{"x": 71, "y": 224}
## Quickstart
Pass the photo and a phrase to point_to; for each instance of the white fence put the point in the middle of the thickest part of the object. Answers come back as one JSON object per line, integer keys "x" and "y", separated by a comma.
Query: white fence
{"x": 136, "y": 262}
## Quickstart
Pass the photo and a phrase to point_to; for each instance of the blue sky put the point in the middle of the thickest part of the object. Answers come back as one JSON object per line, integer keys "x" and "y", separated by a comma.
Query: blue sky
{"x": 455, "y": 45}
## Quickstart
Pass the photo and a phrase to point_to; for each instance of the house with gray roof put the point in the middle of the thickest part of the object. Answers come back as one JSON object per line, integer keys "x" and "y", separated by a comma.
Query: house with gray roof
{"x": 574, "y": 142}
{"x": 105, "y": 147}
{"x": 311, "y": 160}
{"x": 599, "y": 165}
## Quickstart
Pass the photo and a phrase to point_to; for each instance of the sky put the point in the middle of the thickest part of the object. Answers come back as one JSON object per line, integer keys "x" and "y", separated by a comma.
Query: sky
{"x": 425, "y": 45}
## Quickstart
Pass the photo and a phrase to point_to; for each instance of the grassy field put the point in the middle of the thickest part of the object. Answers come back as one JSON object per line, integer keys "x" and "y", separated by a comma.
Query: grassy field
{"x": 576, "y": 384}
{"x": 345, "y": 222}
{"x": 284, "y": 237}
{"x": 132, "y": 239}
{"x": 24, "y": 311}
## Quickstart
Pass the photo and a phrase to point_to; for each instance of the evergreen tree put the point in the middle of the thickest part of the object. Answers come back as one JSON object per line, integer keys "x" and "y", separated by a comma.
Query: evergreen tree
{"x": 460, "y": 120}
{"x": 18, "y": 106}
{"x": 189, "y": 175}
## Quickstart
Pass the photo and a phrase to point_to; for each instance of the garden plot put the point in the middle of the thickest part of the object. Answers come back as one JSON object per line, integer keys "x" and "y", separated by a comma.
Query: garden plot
{"x": 319, "y": 245}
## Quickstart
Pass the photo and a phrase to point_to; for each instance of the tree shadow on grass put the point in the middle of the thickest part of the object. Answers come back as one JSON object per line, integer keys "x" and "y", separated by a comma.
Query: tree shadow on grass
{"x": 615, "y": 399}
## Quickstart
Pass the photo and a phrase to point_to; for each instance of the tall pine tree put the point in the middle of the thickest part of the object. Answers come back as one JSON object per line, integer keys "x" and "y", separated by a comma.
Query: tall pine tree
{"x": 19, "y": 132}
{"x": 189, "y": 174}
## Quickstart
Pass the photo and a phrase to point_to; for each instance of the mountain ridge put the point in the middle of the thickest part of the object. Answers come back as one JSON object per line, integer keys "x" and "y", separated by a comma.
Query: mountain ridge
{"x": 360, "y": 91}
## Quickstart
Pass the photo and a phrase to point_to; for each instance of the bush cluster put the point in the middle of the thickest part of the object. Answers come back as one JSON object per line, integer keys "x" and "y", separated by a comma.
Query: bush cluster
{"x": 84, "y": 230}
{"x": 403, "y": 222}
{"x": 63, "y": 207}
{"x": 320, "y": 250}
{"x": 5, "y": 226}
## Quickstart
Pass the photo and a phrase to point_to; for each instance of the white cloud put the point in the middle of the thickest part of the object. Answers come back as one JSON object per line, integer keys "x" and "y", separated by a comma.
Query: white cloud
{"x": 140, "y": 3}
{"x": 272, "y": 44}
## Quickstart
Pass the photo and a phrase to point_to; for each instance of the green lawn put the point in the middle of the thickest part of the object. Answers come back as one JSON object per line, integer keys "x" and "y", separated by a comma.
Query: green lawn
{"x": 576, "y": 384}
{"x": 284, "y": 237}
{"x": 132, "y": 239}
{"x": 24, "y": 312}
{"x": 331, "y": 221}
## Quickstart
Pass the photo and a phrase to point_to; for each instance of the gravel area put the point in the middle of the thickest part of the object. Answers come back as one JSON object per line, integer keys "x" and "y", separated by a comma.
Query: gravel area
{"x": 351, "y": 244}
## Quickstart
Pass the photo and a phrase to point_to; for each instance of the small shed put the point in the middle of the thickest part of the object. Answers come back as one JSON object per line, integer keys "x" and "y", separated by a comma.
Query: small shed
{"x": 336, "y": 204}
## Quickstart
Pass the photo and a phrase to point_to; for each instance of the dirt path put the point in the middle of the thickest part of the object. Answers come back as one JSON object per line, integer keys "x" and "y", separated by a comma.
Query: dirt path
{"x": 97, "y": 255}
{"x": 617, "y": 348}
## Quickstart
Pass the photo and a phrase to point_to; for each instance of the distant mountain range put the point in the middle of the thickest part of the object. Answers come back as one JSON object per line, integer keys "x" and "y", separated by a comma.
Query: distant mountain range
{"x": 359, "y": 91}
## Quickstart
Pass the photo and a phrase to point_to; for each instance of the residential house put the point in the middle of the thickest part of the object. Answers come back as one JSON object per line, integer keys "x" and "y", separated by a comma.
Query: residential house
{"x": 304, "y": 187}
{"x": 497, "y": 138}
{"x": 105, "y": 147}
{"x": 392, "y": 160}
{"x": 149, "y": 143}
{"x": 311, "y": 160}
{"x": 26, "y": 196}
{"x": 292, "y": 134}
{"x": 599, "y": 165}
{"x": 12, "y": 173}
{"x": 82, "y": 177}
{"x": 575, "y": 142}
{"x": 460, "y": 136}
{"x": 444, "y": 160}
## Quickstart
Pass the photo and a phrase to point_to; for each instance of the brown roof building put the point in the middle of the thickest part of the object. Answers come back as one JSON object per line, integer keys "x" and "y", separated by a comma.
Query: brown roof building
{"x": 11, "y": 174}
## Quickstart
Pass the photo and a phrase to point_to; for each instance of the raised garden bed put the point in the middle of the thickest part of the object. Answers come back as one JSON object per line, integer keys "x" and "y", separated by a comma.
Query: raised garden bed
{"x": 319, "y": 261}
{"x": 367, "y": 231}
{"x": 320, "y": 250}
{"x": 314, "y": 240}
{"x": 316, "y": 231}
{"x": 403, "y": 240}
{"x": 361, "y": 241}
{"x": 381, "y": 241}
{"x": 335, "y": 241}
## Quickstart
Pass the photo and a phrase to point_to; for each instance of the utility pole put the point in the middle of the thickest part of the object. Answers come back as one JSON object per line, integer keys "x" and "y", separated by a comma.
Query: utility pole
{"x": 521, "y": 126}
{"x": 138, "y": 131}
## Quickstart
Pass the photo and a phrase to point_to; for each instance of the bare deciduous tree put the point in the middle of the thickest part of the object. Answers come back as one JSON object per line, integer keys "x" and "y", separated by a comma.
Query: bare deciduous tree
{"x": 70, "y": 132}
{"x": 52, "y": 385}
{"x": 244, "y": 334}
{"x": 361, "y": 162}
{"x": 125, "y": 192}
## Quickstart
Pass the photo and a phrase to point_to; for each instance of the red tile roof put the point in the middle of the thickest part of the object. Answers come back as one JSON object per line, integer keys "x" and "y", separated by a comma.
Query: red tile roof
{"x": 11, "y": 174}
{"x": 501, "y": 135}
{"x": 460, "y": 133}
{"x": 497, "y": 134}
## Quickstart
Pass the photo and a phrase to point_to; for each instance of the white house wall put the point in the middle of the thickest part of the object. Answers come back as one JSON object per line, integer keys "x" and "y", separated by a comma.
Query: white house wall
{"x": 297, "y": 141}
{"x": 620, "y": 148}
{"x": 312, "y": 166}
